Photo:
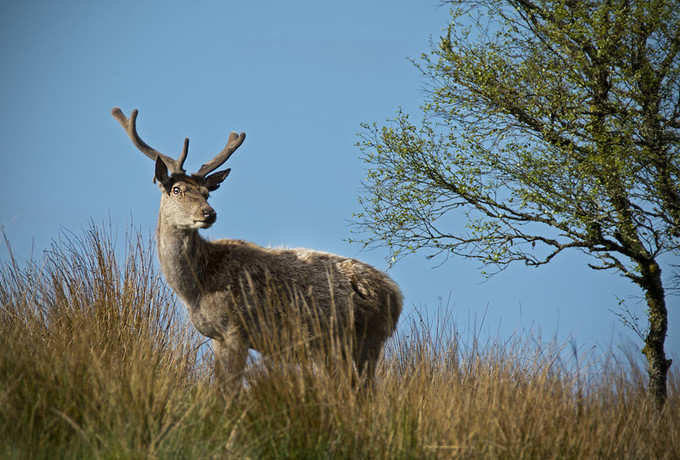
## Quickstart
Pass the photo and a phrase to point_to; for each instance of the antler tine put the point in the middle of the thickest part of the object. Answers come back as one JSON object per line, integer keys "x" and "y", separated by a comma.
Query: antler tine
{"x": 183, "y": 155}
{"x": 235, "y": 140}
{"x": 130, "y": 126}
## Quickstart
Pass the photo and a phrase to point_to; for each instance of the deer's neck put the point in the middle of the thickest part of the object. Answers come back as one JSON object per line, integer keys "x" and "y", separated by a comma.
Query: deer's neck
{"x": 182, "y": 254}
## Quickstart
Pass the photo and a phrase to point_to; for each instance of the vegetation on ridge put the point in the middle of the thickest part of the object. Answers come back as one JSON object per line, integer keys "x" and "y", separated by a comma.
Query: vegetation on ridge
{"x": 97, "y": 361}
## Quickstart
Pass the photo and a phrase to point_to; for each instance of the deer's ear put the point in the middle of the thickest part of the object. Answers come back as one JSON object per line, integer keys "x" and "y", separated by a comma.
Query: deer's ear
{"x": 161, "y": 174}
{"x": 213, "y": 181}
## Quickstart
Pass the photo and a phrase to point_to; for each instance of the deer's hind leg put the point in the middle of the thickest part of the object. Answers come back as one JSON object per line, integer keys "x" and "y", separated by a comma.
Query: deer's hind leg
{"x": 366, "y": 359}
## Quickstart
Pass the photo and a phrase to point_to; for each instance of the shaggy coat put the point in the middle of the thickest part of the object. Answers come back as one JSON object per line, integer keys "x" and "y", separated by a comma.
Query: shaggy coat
{"x": 231, "y": 287}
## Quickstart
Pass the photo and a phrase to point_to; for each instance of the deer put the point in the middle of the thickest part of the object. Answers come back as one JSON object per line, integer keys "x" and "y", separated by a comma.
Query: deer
{"x": 223, "y": 282}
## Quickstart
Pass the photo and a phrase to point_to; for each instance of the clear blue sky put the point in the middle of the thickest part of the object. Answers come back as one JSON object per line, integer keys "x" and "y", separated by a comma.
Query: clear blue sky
{"x": 298, "y": 77}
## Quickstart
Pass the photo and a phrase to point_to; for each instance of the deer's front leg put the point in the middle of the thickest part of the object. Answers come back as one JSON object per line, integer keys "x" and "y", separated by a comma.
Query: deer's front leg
{"x": 231, "y": 354}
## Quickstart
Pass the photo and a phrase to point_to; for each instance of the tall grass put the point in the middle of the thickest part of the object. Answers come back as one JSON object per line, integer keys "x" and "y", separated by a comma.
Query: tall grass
{"x": 96, "y": 361}
{"x": 93, "y": 357}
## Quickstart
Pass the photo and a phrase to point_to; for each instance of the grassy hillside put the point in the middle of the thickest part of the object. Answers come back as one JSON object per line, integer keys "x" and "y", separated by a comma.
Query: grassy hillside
{"x": 96, "y": 362}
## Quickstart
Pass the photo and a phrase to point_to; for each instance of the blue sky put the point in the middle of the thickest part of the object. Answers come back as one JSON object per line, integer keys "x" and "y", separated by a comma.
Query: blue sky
{"x": 298, "y": 78}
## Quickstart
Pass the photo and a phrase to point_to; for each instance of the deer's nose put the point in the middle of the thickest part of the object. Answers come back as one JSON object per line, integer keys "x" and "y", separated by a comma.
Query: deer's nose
{"x": 209, "y": 213}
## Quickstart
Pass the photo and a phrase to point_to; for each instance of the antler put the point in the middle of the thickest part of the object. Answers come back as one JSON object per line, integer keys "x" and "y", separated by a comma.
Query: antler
{"x": 235, "y": 140}
{"x": 130, "y": 126}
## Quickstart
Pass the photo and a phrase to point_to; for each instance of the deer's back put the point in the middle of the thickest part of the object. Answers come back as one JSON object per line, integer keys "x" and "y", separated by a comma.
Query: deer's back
{"x": 245, "y": 276}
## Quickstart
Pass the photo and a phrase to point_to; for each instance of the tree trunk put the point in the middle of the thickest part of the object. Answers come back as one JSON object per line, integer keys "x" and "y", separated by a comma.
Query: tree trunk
{"x": 658, "y": 323}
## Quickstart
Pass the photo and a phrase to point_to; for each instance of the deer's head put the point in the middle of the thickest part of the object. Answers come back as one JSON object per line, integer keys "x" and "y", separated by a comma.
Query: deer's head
{"x": 184, "y": 198}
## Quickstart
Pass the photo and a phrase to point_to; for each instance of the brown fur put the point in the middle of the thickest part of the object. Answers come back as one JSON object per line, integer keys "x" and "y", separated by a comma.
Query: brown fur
{"x": 226, "y": 284}
{"x": 222, "y": 281}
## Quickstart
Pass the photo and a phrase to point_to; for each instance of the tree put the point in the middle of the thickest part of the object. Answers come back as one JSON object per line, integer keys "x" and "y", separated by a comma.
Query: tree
{"x": 550, "y": 125}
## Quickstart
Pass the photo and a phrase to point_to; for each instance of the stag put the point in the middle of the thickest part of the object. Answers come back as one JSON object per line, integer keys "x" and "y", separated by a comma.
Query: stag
{"x": 225, "y": 284}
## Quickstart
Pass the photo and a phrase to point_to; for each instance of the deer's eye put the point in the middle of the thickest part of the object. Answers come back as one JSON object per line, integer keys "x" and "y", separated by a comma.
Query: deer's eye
{"x": 176, "y": 190}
